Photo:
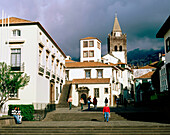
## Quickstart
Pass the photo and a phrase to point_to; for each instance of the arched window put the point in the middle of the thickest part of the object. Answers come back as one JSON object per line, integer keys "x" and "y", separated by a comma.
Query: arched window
{"x": 16, "y": 33}
{"x": 115, "y": 48}
{"x": 120, "y": 48}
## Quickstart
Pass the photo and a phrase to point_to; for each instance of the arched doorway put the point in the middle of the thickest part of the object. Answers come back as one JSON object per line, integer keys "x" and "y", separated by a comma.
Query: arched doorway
{"x": 83, "y": 93}
{"x": 84, "y": 96}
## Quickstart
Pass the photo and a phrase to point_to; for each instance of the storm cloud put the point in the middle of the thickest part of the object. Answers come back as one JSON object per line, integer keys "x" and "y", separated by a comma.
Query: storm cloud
{"x": 67, "y": 21}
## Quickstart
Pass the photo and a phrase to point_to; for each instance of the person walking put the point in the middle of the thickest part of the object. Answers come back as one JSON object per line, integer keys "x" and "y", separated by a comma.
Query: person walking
{"x": 106, "y": 101}
{"x": 70, "y": 102}
{"x": 81, "y": 102}
{"x": 106, "y": 112}
{"x": 89, "y": 102}
{"x": 95, "y": 103}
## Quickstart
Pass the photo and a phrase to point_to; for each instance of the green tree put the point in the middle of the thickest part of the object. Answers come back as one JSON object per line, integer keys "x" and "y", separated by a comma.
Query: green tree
{"x": 10, "y": 82}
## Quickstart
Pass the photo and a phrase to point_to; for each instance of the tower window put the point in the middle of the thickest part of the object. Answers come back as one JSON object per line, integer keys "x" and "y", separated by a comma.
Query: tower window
{"x": 91, "y": 43}
{"x": 85, "y": 43}
{"x": 85, "y": 54}
{"x": 120, "y": 48}
{"x": 91, "y": 53}
{"x": 115, "y": 48}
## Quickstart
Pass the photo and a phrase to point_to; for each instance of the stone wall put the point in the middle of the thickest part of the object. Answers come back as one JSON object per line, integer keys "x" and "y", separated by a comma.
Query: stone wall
{"x": 7, "y": 120}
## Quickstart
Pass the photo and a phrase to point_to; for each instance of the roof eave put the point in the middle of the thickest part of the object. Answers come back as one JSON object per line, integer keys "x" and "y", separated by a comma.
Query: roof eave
{"x": 163, "y": 30}
{"x": 42, "y": 28}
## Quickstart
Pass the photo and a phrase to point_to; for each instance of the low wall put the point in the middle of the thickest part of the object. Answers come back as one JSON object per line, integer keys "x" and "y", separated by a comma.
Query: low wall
{"x": 7, "y": 120}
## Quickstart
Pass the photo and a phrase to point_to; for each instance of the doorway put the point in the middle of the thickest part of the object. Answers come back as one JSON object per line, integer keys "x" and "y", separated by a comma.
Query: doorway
{"x": 84, "y": 98}
{"x": 52, "y": 95}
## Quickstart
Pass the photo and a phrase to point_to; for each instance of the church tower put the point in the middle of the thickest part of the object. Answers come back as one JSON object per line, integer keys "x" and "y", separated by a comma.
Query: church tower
{"x": 117, "y": 42}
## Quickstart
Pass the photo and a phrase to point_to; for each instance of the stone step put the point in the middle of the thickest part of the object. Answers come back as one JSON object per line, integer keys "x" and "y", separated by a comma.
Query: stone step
{"x": 82, "y": 116}
{"x": 84, "y": 130}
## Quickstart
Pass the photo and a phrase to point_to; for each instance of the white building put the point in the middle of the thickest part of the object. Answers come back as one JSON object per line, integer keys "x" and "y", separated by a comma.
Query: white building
{"x": 28, "y": 48}
{"x": 164, "y": 32}
{"x": 90, "y": 49}
{"x": 93, "y": 79}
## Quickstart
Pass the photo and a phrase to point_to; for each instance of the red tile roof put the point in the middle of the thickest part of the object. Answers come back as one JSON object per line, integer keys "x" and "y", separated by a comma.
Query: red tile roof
{"x": 69, "y": 61}
{"x": 87, "y": 38}
{"x": 17, "y": 21}
{"x": 147, "y": 75}
{"x": 147, "y": 67}
{"x": 14, "y": 20}
{"x": 86, "y": 64}
{"x": 91, "y": 81}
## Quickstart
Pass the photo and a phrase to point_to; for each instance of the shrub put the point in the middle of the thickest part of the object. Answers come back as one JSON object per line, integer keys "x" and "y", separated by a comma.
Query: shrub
{"x": 27, "y": 111}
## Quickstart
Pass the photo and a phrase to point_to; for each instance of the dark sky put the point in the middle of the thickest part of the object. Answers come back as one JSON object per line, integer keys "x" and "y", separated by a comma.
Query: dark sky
{"x": 67, "y": 21}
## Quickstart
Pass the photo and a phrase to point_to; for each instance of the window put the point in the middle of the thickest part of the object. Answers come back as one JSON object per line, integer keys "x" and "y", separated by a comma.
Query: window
{"x": 52, "y": 62}
{"x": 85, "y": 43}
{"x": 85, "y": 54}
{"x": 115, "y": 48}
{"x": 91, "y": 53}
{"x": 57, "y": 93}
{"x": 120, "y": 48}
{"x": 16, "y": 59}
{"x": 47, "y": 56}
{"x": 40, "y": 58}
{"x": 16, "y": 33}
{"x": 96, "y": 92}
{"x": 40, "y": 53}
{"x": 91, "y": 43}
{"x": 99, "y": 73}
{"x": 106, "y": 90}
{"x": 167, "y": 44}
{"x": 87, "y": 73}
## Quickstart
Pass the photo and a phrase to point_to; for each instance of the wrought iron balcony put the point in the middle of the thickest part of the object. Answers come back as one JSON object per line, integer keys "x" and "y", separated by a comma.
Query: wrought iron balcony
{"x": 53, "y": 75}
{"x": 41, "y": 69}
{"x": 48, "y": 73}
{"x": 18, "y": 68}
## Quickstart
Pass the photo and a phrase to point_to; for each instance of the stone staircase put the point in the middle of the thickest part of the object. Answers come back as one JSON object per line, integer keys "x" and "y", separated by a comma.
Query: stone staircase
{"x": 64, "y": 96}
{"x": 82, "y": 116}
{"x": 85, "y": 130}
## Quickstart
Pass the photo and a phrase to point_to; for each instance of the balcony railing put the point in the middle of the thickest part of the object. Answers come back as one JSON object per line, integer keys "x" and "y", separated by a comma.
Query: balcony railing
{"x": 53, "y": 75}
{"x": 19, "y": 68}
{"x": 41, "y": 69}
{"x": 48, "y": 73}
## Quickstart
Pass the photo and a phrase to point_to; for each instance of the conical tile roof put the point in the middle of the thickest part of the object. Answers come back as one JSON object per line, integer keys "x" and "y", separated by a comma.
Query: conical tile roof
{"x": 116, "y": 26}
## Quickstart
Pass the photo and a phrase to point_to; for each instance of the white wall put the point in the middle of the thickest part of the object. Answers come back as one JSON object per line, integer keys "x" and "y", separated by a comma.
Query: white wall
{"x": 110, "y": 59}
{"x": 120, "y": 55}
{"x": 102, "y": 95}
{"x": 97, "y": 51}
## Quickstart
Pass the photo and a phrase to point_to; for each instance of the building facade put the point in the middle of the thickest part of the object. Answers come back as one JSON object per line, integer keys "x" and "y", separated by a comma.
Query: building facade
{"x": 164, "y": 32}
{"x": 28, "y": 48}
{"x": 90, "y": 49}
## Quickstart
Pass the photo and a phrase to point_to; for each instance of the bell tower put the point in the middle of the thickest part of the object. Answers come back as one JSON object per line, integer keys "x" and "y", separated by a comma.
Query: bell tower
{"x": 117, "y": 42}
